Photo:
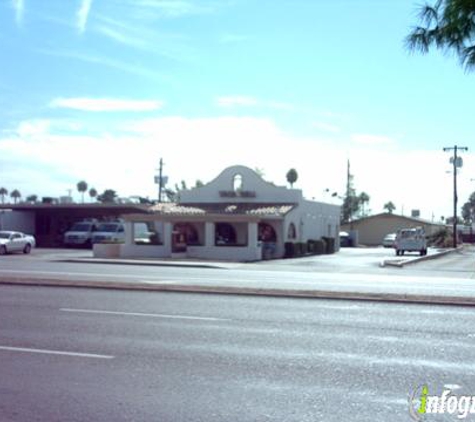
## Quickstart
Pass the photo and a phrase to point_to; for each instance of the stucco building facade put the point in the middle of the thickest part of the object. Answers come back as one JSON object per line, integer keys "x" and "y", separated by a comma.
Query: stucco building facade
{"x": 238, "y": 216}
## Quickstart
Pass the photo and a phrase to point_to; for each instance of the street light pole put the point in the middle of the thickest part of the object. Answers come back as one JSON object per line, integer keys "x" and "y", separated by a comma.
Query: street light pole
{"x": 455, "y": 163}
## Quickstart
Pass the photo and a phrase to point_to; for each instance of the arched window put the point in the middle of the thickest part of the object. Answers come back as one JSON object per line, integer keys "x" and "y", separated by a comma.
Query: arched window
{"x": 237, "y": 183}
{"x": 225, "y": 234}
{"x": 291, "y": 232}
{"x": 187, "y": 233}
{"x": 266, "y": 233}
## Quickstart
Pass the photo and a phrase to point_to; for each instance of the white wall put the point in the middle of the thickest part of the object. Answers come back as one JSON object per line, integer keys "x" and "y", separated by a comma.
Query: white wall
{"x": 314, "y": 220}
{"x": 144, "y": 251}
{"x": 226, "y": 253}
{"x": 251, "y": 181}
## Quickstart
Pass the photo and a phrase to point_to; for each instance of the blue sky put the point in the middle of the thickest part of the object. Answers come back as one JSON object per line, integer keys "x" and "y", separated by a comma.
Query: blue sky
{"x": 101, "y": 89}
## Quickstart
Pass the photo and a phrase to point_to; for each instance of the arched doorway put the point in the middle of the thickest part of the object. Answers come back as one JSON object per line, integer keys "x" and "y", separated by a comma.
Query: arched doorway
{"x": 266, "y": 233}
{"x": 268, "y": 238}
{"x": 183, "y": 234}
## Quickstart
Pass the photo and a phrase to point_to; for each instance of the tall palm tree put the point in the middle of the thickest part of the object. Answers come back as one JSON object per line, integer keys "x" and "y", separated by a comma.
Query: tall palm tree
{"x": 3, "y": 192}
{"x": 92, "y": 193}
{"x": 363, "y": 199}
{"x": 292, "y": 177}
{"x": 15, "y": 194}
{"x": 82, "y": 187}
{"x": 448, "y": 25}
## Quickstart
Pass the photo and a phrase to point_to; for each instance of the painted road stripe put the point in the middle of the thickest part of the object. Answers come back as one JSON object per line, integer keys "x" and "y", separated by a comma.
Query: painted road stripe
{"x": 140, "y": 314}
{"x": 55, "y": 352}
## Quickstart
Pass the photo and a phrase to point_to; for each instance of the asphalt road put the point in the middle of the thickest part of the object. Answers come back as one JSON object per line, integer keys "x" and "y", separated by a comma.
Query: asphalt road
{"x": 100, "y": 355}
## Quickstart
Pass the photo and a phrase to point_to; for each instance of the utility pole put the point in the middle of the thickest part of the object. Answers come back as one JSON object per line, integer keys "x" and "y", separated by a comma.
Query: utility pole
{"x": 456, "y": 162}
{"x": 160, "y": 180}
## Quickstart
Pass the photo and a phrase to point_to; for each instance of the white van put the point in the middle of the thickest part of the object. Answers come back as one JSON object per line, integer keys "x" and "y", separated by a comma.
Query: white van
{"x": 411, "y": 240}
{"x": 80, "y": 234}
{"x": 112, "y": 231}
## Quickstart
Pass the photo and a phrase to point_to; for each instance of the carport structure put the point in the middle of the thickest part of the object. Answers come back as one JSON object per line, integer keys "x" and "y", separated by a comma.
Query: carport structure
{"x": 48, "y": 222}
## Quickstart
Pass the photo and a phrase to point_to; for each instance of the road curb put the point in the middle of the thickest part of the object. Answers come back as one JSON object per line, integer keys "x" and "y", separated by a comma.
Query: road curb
{"x": 249, "y": 291}
{"x": 400, "y": 264}
{"x": 142, "y": 263}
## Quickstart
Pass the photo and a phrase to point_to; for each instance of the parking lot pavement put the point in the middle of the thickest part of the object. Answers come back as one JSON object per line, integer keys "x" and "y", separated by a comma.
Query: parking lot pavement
{"x": 346, "y": 260}
{"x": 349, "y": 258}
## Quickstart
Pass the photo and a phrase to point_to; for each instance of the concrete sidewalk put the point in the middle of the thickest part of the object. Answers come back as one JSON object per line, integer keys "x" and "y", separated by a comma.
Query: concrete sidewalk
{"x": 159, "y": 262}
{"x": 399, "y": 261}
{"x": 328, "y": 286}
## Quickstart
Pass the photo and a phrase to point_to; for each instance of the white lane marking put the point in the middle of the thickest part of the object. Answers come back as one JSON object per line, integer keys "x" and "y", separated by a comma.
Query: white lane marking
{"x": 55, "y": 352}
{"x": 140, "y": 314}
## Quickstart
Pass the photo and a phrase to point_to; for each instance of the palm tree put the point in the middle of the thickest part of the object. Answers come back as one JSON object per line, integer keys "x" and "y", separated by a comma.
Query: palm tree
{"x": 292, "y": 177}
{"x": 32, "y": 198}
{"x": 363, "y": 199}
{"x": 389, "y": 207}
{"x": 448, "y": 25}
{"x": 92, "y": 193}
{"x": 82, "y": 187}
{"x": 15, "y": 194}
{"x": 3, "y": 192}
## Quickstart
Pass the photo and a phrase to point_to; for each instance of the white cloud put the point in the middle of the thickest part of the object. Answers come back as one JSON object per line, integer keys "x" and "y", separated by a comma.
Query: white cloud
{"x": 106, "y": 104}
{"x": 174, "y": 8}
{"x": 120, "y": 37}
{"x": 371, "y": 140}
{"x": 19, "y": 7}
{"x": 200, "y": 148}
{"x": 33, "y": 128}
{"x": 83, "y": 15}
{"x": 326, "y": 127}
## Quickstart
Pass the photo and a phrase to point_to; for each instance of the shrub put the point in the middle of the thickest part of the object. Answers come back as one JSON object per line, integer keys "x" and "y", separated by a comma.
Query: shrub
{"x": 442, "y": 238}
{"x": 289, "y": 249}
{"x": 311, "y": 246}
{"x": 303, "y": 248}
{"x": 319, "y": 247}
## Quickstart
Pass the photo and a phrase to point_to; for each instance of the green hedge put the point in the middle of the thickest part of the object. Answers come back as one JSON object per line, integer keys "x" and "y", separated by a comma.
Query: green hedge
{"x": 325, "y": 245}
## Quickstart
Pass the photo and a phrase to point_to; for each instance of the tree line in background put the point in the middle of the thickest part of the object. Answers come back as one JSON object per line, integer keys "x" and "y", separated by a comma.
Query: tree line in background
{"x": 354, "y": 205}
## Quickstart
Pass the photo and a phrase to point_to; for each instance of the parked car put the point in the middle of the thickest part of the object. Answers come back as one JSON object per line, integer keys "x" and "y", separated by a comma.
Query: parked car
{"x": 80, "y": 234}
{"x": 109, "y": 232}
{"x": 345, "y": 240}
{"x": 11, "y": 241}
{"x": 389, "y": 240}
{"x": 411, "y": 240}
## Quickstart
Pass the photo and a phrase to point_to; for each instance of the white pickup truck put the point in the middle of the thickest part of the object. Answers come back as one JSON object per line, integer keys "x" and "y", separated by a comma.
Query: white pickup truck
{"x": 80, "y": 234}
{"x": 109, "y": 232}
{"x": 411, "y": 240}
